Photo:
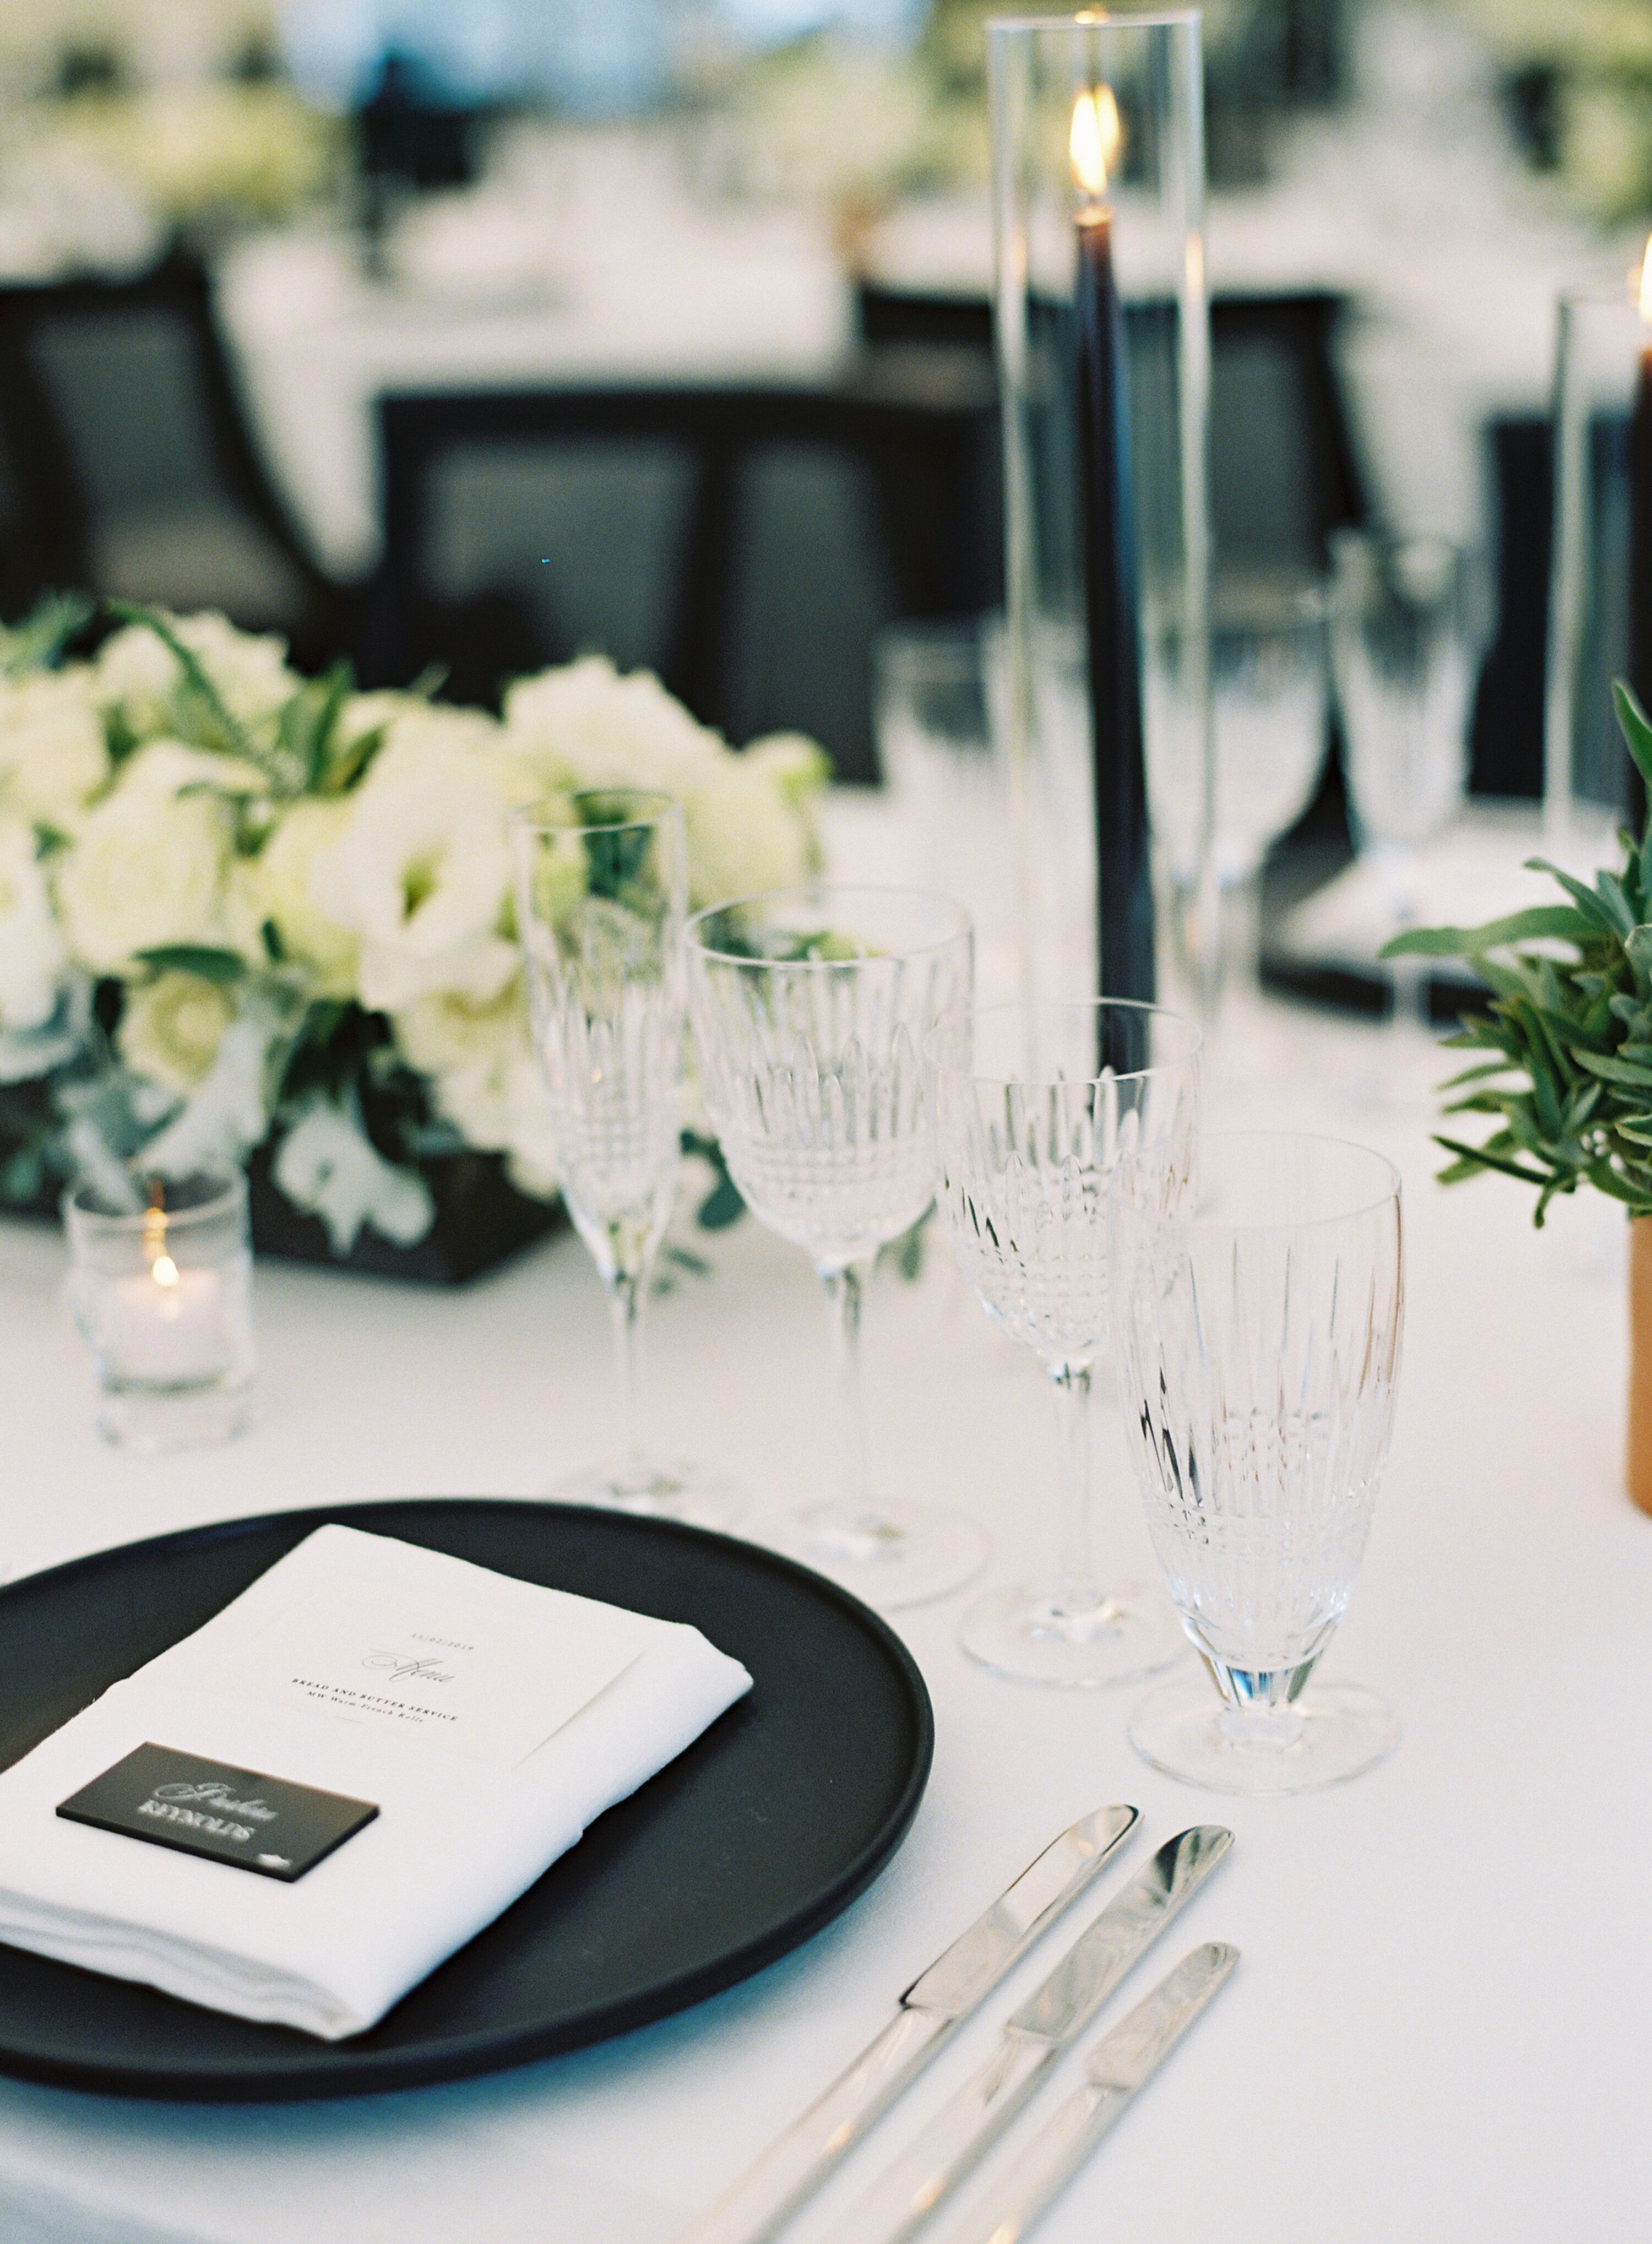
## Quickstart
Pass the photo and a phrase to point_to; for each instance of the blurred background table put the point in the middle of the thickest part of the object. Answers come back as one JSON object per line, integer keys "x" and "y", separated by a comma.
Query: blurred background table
{"x": 1439, "y": 2025}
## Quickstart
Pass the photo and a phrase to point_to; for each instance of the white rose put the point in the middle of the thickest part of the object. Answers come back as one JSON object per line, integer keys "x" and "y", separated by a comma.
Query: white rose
{"x": 421, "y": 871}
{"x": 32, "y": 956}
{"x": 137, "y": 671}
{"x": 500, "y": 1105}
{"x": 53, "y": 757}
{"x": 742, "y": 837}
{"x": 584, "y": 725}
{"x": 449, "y": 1030}
{"x": 147, "y": 869}
{"x": 283, "y": 892}
{"x": 171, "y": 1029}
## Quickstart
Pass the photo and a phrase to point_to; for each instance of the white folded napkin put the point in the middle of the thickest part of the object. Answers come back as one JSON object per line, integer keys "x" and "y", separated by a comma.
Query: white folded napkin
{"x": 489, "y": 1720}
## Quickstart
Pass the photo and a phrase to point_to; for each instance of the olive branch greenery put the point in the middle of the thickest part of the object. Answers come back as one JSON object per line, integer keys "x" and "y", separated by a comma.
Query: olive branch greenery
{"x": 1569, "y": 1024}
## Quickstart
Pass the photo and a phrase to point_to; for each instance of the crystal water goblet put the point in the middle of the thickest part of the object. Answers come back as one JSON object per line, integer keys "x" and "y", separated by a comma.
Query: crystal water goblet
{"x": 810, "y": 1010}
{"x": 1259, "y": 1304}
{"x": 1035, "y": 1106}
{"x": 601, "y": 896}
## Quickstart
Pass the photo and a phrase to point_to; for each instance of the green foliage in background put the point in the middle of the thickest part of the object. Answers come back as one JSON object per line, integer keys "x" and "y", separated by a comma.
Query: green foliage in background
{"x": 1570, "y": 1026}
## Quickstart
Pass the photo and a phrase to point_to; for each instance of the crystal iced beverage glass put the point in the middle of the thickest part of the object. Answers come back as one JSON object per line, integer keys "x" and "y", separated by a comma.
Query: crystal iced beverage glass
{"x": 1259, "y": 1307}
{"x": 812, "y": 1007}
{"x": 1035, "y": 1106}
{"x": 601, "y": 890}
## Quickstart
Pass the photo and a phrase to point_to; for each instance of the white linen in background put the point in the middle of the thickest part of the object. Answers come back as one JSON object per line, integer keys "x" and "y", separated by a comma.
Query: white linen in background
{"x": 456, "y": 1840}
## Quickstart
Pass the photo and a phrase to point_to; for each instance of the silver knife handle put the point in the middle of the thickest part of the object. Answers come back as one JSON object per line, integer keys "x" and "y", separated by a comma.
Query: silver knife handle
{"x": 1119, "y": 2065}
{"x": 1051, "y": 2018}
{"x": 756, "y": 2208}
{"x": 952, "y": 2143}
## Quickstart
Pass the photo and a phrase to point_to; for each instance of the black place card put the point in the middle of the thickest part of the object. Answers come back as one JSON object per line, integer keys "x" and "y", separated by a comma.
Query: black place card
{"x": 260, "y": 1824}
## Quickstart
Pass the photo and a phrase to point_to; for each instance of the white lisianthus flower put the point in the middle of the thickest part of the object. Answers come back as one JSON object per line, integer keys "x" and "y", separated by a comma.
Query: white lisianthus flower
{"x": 137, "y": 671}
{"x": 328, "y": 1167}
{"x": 53, "y": 758}
{"x": 150, "y": 868}
{"x": 284, "y": 893}
{"x": 171, "y": 1029}
{"x": 485, "y": 1078}
{"x": 420, "y": 873}
{"x": 32, "y": 956}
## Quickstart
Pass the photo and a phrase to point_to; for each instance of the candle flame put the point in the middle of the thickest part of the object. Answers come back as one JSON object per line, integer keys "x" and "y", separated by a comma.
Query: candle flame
{"x": 1092, "y": 142}
{"x": 1646, "y": 283}
{"x": 164, "y": 1270}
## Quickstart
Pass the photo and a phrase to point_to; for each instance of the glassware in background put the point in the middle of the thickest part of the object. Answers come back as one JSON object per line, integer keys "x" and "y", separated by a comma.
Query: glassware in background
{"x": 810, "y": 1010}
{"x": 1270, "y": 694}
{"x": 160, "y": 1284}
{"x": 938, "y": 696}
{"x": 1403, "y": 645}
{"x": 1035, "y": 1108}
{"x": 1259, "y": 1303}
{"x": 601, "y": 890}
{"x": 1587, "y": 774}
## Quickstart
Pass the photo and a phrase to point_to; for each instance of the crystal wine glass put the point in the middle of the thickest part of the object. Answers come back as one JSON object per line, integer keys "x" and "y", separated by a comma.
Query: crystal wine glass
{"x": 1036, "y": 1104}
{"x": 601, "y": 887}
{"x": 811, "y": 1008}
{"x": 1259, "y": 1307}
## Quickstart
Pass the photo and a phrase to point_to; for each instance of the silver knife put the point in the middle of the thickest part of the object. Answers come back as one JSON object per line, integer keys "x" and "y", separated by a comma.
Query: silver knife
{"x": 932, "y": 2010}
{"x": 1117, "y": 2066}
{"x": 1051, "y": 2019}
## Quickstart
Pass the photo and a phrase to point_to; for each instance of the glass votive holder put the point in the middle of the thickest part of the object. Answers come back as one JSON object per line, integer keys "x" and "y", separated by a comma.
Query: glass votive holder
{"x": 160, "y": 1284}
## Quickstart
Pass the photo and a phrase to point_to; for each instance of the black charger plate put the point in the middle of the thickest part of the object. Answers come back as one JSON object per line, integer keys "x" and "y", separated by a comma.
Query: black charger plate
{"x": 768, "y": 1827}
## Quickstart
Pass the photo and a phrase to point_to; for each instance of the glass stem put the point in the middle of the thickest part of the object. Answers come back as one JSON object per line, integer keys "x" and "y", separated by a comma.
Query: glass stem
{"x": 1412, "y": 1026}
{"x": 1077, "y": 1590}
{"x": 626, "y": 1297}
{"x": 842, "y": 1287}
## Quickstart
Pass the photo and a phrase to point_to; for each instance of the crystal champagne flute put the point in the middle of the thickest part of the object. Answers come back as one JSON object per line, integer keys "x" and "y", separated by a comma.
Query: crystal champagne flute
{"x": 810, "y": 1009}
{"x": 1259, "y": 1294}
{"x": 601, "y": 887}
{"x": 1036, "y": 1104}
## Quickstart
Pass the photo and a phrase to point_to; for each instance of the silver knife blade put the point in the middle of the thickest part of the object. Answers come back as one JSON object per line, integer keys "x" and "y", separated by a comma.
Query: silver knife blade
{"x": 1120, "y": 2063}
{"x": 1053, "y": 2015}
{"x": 757, "y": 2206}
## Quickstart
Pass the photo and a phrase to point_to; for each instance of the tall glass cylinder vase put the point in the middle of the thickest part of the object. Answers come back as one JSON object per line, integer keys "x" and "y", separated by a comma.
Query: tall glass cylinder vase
{"x": 1601, "y": 575}
{"x": 1104, "y": 355}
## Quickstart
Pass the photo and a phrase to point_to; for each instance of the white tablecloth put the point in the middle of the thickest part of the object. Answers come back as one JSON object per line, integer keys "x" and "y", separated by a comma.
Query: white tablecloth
{"x": 1440, "y": 2029}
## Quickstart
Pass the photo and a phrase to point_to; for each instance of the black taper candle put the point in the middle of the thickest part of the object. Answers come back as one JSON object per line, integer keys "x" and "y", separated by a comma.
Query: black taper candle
{"x": 1640, "y": 467}
{"x": 1124, "y": 872}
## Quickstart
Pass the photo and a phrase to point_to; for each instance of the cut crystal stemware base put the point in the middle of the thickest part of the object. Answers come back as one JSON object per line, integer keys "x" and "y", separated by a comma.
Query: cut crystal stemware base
{"x": 1027, "y": 1634}
{"x": 894, "y": 1556}
{"x": 674, "y": 1490}
{"x": 1334, "y": 1731}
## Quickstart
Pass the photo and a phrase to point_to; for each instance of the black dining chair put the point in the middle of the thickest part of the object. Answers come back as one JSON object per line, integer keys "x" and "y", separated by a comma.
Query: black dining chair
{"x": 128, "y": 468}
{"x": 1284, "y": 470}
{"x": 747, "y": 541}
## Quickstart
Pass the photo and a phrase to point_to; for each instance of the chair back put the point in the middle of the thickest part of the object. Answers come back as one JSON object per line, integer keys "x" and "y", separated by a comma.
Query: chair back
{"x": 747, "y": 541}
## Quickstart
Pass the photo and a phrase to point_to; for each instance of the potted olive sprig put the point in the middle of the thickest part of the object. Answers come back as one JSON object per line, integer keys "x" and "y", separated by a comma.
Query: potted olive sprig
{"x": 1567, "y": 1072}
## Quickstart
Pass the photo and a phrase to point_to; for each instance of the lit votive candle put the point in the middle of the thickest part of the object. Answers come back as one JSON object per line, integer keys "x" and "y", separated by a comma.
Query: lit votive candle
{"x": 167, "y": 1325}
{"x": 162, "y": 1292}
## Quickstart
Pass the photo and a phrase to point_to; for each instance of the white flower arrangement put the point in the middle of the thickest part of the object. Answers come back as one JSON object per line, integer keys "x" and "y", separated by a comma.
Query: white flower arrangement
{"x": 237, "y": 906}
